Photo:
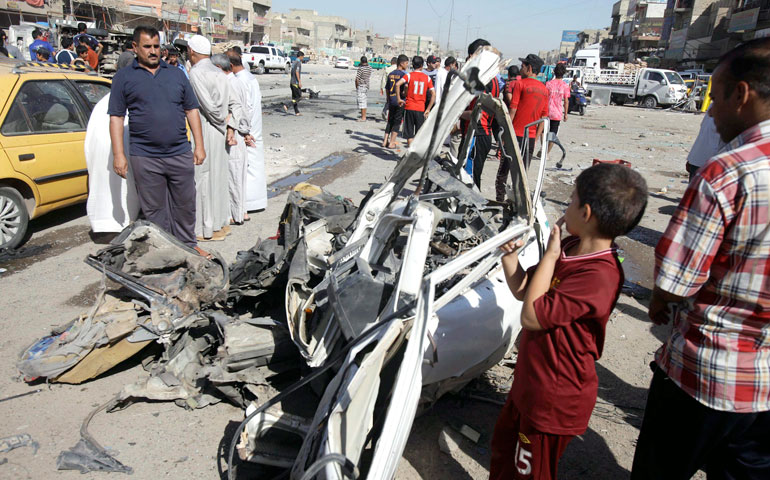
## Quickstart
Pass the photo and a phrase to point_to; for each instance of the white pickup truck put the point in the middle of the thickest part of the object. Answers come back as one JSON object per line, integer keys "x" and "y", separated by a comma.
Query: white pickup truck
{"x": 648, "y": 86}
{"x": 263, "y": 58}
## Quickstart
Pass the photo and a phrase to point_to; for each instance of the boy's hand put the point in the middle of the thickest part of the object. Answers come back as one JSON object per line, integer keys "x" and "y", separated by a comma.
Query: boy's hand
{"x": 554, "y": 242}
{"x": 512, "y": 247}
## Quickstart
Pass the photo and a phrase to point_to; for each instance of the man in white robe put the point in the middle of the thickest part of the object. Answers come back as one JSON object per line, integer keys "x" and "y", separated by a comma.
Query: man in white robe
{"x": 256, "y": 181}
{"x": 211, "y": 179}
{"x": 112, "y": 203}
{"x": 238, "y": 137}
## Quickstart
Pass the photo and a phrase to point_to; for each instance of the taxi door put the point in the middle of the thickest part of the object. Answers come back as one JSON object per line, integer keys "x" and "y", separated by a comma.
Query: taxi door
{"x": 42, "y": 130}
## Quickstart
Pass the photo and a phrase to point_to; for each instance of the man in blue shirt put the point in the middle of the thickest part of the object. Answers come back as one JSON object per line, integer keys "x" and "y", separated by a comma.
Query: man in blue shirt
{"x": 158, "y": 98}
{"x": 39, "y": 42}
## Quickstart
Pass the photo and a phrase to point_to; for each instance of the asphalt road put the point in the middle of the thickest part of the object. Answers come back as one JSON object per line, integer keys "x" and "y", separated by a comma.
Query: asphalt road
{"x": 50, "y": 284}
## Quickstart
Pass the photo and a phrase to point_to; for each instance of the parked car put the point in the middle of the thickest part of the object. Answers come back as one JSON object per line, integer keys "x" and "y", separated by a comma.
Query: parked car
{"x": 293, "y": 56}
{"x": 44, "y": 112}
{"x": 377, "y": 63}
{"x": 263, "y": 58}
{"x": 342, "y": 62}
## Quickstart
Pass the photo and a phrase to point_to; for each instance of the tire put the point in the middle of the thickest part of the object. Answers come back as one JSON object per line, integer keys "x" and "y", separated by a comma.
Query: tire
{"x": 649, "y": 102}
{"x": 261, "y": 68}
{"x": 14, "y": 218}
{"x": 582, "y": 110}
{"x": 287, "y": 69}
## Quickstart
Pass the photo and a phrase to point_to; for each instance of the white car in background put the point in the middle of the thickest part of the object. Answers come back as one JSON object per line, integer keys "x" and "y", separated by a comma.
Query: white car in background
{"x": 342, "y": 62}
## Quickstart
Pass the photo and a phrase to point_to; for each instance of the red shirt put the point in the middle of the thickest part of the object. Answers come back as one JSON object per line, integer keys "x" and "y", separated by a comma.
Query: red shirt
{"x": 530, "y": 99}
{"x": 555, "y": 382}
{"x": 418, "y": 84}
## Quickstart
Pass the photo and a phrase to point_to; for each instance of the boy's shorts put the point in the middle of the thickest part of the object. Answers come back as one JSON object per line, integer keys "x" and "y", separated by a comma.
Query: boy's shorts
{"x": 554, "y": 128}
{"x": 395, "y": 115}
{"x": 521, "y": 452}
{"x": 413, "y": 120}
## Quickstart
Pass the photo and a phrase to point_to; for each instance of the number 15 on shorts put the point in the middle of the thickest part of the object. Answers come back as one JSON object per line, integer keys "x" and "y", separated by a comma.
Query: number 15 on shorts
{"x": 523, "y": 457}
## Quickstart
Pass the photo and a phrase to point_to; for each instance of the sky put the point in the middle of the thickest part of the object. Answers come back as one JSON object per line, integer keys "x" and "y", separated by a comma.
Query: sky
{"x": 515, "y": 27}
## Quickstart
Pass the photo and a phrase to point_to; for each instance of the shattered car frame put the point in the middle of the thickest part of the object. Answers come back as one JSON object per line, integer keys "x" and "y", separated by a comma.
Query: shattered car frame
{"x": 371, "y": 307}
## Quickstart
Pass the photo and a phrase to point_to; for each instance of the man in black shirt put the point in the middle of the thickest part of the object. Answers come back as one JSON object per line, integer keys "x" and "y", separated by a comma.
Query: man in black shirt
{"x": 295, "y": 83}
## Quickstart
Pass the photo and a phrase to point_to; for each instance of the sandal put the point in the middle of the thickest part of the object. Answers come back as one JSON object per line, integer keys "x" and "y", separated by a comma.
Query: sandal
{"x": 203, "y": 253}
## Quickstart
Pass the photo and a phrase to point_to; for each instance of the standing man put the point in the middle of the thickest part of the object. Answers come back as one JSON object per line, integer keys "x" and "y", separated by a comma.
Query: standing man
{"x": 211, "y": 179}
{"x": 709, "y": 402}
{"x": 38, "y": 43}
{"x": 94, "y": 47}
{"x": 295, "y": 82}
{"x": 441, "y": 75}
{"x": 256, "y": 182}
{"x": 483, "y": 134}
{"x": 395, "y": 110}
{"x": 362, "y": 85}
{"x": 558, "y": 101}
{"x": 529, "y": 103}
{"x": 383, "y": 82}
{"x": 172, "y": 58}
{"x": 419, "y": 88}
{"x": 67, "y": 53}
{"x": 158, "y": 99}
{"x": 432, "y": 65}
{"x": 126, "y": 57}
{"x": 13, "y": 50}
{"x": 238, "y": 138}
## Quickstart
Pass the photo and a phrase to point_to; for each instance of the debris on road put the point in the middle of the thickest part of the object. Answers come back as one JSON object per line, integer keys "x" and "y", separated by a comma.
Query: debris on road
{"x": 17, "y": 441}
{"x": 372, "y": 300}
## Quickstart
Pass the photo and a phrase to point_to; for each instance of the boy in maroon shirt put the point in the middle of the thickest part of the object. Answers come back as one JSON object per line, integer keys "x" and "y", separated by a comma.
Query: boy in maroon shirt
{"x": 567, "y": 300}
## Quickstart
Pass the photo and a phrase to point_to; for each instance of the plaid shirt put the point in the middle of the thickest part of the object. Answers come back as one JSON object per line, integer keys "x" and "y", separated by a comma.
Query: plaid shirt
{"x": 716, "y": 252}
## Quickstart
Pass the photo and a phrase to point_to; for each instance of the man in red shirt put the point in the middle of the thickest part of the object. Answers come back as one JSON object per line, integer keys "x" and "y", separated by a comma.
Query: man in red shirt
{"x": 566, "y": 301}
{"x": 529, "y": 103}
{"x": 419, "y": 88}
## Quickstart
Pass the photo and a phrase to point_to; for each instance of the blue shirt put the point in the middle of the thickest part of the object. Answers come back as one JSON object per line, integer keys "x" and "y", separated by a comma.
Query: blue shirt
{"x": 37, "y": 44}
{"x": 156, "y": 105}
{"x": 85, "y": 39}
{"x": 390, "y": 87}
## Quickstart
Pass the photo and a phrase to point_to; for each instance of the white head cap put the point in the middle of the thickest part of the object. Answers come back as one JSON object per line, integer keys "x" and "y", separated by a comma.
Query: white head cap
{"x": 199, "y": 44}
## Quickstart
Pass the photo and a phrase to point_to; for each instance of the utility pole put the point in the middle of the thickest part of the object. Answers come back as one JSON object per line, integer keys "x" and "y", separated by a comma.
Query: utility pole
{"x": 467, "y": 27}
{"x": 211, "y": 20}
{"x": 451, "y": 17}
{"x": 406, "y": 13}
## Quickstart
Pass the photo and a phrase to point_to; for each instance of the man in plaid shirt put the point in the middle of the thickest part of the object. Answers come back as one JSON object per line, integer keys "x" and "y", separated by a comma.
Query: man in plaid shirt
{"x": 709, "y": 401}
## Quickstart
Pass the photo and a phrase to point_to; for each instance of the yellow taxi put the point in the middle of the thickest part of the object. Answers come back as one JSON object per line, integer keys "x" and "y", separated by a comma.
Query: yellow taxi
{"x": 44, "y": 110}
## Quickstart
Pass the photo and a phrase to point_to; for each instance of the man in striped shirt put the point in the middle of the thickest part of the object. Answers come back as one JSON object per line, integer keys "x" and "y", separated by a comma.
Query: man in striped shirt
{"x": 362, "y": 85}
{"x": 709, "y": 401}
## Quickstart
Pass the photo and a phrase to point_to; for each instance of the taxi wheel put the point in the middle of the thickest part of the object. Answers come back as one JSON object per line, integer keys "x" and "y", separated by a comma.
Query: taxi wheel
{"x": 13, "y": 218}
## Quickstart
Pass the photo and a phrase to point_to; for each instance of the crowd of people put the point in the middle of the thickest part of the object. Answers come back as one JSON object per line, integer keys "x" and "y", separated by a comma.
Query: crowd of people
{"x": 412, "y": 92}
{"x": 81, "y": 50}
{"x": 194, "y": 190}
{"x": 709, "y": 400}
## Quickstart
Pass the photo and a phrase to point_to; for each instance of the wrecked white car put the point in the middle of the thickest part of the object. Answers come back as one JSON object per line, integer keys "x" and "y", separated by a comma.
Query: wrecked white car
{"x": 365, "y": 311}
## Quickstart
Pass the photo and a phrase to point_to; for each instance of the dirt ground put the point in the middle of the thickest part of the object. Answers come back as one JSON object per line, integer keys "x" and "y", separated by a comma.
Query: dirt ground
{"x": 48, "y": 283}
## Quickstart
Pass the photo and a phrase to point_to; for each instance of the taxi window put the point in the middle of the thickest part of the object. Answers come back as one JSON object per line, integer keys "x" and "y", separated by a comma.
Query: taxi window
{"x": 93, "y": 91}
{"x": 46, "y": 107}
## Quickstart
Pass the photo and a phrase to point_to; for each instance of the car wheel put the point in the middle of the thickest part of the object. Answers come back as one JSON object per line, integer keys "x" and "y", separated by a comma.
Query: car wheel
{"x": 649, "y": 102}
{"x": 261, "y": 68}
{"x": 14, "y": 218}
{"x": 288, "y": 68}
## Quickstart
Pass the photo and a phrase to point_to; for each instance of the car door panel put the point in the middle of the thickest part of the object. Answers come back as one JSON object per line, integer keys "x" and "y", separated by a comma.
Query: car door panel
{"x": 43, "y": 129}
